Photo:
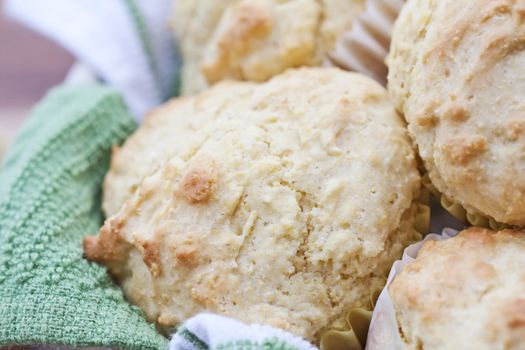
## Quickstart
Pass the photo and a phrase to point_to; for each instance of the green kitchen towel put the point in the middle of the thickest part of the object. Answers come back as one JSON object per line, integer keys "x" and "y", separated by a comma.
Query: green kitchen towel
{"x": 49, "y": 199}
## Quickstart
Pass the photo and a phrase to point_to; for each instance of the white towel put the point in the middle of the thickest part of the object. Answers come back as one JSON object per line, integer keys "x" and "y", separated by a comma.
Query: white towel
{"x": 213, "y": 332}
{"x": 127, "y": 43}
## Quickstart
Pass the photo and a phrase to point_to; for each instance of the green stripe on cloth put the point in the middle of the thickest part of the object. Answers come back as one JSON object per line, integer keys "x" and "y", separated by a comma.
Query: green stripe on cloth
{"x": 145, "y": 38}
{"x": 192, "y": 339}
{"x": 173, "y": 88}
{"x": 49, "y": 199}
{"x": 267, "y": 344}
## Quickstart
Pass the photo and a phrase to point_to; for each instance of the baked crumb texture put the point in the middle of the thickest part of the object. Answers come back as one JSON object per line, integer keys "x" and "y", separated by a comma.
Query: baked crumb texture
{"x": 256, "y": 39}
{"x": 283, "y": 203}
{"x": 456, "y": 72}
{"x": 467, "y": 292}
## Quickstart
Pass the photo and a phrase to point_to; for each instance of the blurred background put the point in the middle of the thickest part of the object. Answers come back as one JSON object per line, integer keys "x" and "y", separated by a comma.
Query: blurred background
{"x": 29, "y": 65}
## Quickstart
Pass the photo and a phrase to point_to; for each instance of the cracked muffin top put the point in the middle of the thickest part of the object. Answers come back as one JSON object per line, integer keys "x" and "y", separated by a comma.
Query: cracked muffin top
{"x": 282, "y": 203}
{"x": 466, "y": 292}
{"x": 255, "y": 39}
{"x": 457, "y": 73}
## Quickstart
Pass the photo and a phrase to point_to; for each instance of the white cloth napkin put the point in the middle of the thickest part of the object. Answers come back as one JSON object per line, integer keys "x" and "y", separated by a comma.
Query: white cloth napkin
{"x": 127, "y": 43}
{"x": 209, "y": 331}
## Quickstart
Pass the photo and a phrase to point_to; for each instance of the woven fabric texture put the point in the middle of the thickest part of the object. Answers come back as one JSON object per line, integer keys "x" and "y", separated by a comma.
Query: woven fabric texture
{"x": 49, "y": 199}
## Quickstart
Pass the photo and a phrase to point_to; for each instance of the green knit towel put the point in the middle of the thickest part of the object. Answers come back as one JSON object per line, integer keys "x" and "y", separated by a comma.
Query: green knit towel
{"x": 49, "y": 199}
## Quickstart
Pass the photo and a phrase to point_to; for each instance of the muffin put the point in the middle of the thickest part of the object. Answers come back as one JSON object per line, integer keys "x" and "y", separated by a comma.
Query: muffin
{"x": 285, "y": 207}
{"x": 467, "y": 292}
{"x": 160, "y": 136}
{"x": 255, "y": 39}
{"x": 456, "y": 72}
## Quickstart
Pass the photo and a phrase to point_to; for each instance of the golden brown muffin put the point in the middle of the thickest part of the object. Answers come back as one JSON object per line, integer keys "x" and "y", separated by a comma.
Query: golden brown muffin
{"x": 287, "y": 207}
{"x": 256, "y": 39}
{"x": 456, "y": 72}
{"x": 162, "y": 135}
{"x": 466, "y": 292}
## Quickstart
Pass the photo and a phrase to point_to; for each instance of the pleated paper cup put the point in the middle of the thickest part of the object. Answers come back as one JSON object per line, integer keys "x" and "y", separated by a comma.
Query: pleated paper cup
{"x": 364, "y": 48}
{"x": 459, "y": 212}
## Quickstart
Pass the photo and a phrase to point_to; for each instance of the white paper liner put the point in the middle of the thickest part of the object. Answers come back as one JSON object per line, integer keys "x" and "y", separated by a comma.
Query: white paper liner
{"x": 364, "y": 48}
{"x": 383, "y": 332}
